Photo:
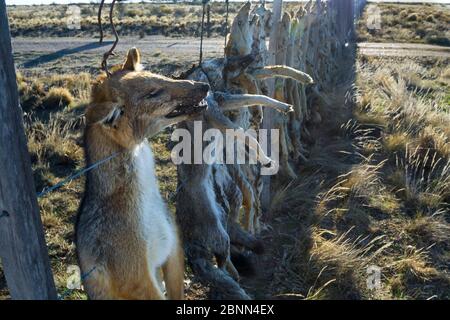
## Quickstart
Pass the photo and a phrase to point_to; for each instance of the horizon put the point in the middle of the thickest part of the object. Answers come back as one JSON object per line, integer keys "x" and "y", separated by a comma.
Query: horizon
{"x": 46, "y": 2}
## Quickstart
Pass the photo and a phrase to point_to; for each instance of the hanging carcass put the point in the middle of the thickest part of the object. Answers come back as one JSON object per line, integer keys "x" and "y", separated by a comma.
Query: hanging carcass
{"x": 210, "y": 195}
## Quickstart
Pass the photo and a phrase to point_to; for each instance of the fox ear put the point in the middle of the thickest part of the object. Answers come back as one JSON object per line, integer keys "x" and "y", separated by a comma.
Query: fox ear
{"x": 133, "y": 61}
{"x": 110, "y": 120}
{"x": 105, "y": 113}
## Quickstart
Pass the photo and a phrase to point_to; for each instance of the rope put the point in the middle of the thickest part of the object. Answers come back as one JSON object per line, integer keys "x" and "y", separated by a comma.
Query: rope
{"x": 59, "y": 185}
{"x": 76, "y": 175}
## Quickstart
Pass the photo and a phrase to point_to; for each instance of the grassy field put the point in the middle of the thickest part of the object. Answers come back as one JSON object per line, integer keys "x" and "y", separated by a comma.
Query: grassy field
{"x": 404, "y": 186}
{"x": 417, "y": 23}
{"x": 131, "y": 19}
{"x": 375, "y": 190}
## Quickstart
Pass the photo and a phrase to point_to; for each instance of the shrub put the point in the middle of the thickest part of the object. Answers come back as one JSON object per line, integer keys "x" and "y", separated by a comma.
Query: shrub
{"x": 132, "y": 13}
{"x": 403, "y": 13}
{"x": 430, "y": 18}
{"x": 57, "y": 98}
{"x": 30, "y": 94}
{"x": 421, "y": 32}
{"x": 164, "y": 9}
{"x": 180, "y": 12}
{"x": 438, "y": 40}
{"x": 412, "y": 17}
{"x": 88, "y": 11}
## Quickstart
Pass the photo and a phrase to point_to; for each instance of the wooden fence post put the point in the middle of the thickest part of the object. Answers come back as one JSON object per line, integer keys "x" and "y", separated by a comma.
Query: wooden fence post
{"x": 22, "y": 245}
{"x": 345, "y": 17}
{"x": 268, "y": 112}
{"x": 359, "y": 8}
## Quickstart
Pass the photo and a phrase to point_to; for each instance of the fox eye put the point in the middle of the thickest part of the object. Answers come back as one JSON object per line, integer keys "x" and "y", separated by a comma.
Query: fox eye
{"x": 153, "y": 93}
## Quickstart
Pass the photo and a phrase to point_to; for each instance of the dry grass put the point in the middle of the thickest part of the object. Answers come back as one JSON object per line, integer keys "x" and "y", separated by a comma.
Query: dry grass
{"x": 53, "y": 107}
{"x": 49, "y": 92}
{"x": 415, "y": 146}
{"x": 131, "y": 19}
{"x": 417, "y": 23}
{"x": 374, "y": 192}
{"x": 57, "y": 98}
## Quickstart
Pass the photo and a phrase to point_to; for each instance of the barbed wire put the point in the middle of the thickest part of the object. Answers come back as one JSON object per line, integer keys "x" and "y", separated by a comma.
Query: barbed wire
{"x": 76, "y": 175}
{"x": 82, "y": 277}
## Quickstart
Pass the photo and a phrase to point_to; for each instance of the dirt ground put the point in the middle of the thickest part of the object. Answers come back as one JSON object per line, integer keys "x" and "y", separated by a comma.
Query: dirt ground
{"x": 149, "y": 45}
{"x": 402, "y": 50}
{"x": 46, "y": 50}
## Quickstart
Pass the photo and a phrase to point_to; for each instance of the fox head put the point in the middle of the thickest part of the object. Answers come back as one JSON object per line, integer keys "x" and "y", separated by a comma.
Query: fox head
{"x": 132, "y": 104}
{"x": 239, "y": 40}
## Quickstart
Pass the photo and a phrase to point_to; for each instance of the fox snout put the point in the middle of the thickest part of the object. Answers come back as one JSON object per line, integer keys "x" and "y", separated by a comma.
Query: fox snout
{"x": 203, "y": 87}
{"x": 190, "y": 90}
{"x": 200, "y": 90}
{"x": 188, "y": 99}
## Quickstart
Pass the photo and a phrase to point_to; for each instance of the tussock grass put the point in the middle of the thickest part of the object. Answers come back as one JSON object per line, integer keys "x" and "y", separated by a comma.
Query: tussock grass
{"x": 373, "y": 193}
{"x": 54, "y": 91}
{"x": 416, "y": 23}
{"x": 57, "y": 98}
{"x": 415, "y": 145}
{"x": 429, "y": 229}
{"x": 131, "y": 19}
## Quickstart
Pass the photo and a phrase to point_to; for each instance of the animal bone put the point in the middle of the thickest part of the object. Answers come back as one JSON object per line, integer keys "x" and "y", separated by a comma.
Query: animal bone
{"x": 211, "y": 195}
{"x": 228, "y": 102}
{"x": 221, "y": 190}
{"x": 282, "y": 72}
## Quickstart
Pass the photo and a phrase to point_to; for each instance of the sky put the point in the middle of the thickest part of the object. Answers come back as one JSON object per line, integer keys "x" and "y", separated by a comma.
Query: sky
{"x": 19, "y": 2}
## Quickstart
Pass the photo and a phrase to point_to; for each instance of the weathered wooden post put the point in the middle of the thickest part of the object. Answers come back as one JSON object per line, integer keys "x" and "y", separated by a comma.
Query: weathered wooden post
{"x": 268, "y": 112}
{"x": 22, "y": 244}
{"x": 359, "y": 8}
{"x": 345, "y": 19}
